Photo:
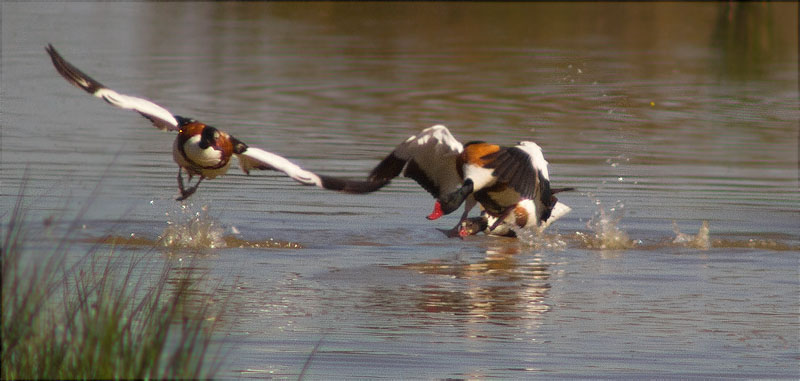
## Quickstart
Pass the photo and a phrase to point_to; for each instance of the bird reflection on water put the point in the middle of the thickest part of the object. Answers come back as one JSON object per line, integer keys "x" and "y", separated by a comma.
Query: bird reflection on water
{"x": 504, "y": 288}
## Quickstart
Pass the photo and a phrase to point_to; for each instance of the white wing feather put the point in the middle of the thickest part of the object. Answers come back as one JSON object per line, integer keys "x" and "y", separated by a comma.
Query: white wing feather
{"x": 435, "y": 151}
{"x": 537, "y": 158}
{"x": 145, "y": 107}
{"x": 159, "y": 116}
{"x": 254, "y": 158}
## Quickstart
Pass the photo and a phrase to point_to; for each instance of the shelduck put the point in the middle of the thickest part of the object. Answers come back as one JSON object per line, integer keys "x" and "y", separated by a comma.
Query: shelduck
{"x": 511, "y": 184}
{"x": 200, "y": 149}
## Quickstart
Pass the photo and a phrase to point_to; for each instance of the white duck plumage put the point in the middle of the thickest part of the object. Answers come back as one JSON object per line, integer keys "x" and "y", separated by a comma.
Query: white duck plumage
{"x": 500, "y": 179}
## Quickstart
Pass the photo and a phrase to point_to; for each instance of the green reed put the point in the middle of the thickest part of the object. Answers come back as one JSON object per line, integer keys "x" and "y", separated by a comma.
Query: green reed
{"x": 100, "y": 315}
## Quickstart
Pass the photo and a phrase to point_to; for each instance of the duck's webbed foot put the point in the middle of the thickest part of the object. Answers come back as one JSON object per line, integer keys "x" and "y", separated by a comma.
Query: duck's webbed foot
{"x": 186, "y": 192}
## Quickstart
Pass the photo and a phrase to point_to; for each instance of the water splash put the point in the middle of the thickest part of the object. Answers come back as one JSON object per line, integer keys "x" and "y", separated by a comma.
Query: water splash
{"x": 195, "y": 230}
{"x": 271, "y": 243}
{"x": 606, "y": 233}
{"x": 699, "y": 241}
{"x": 198, "y": 230}
{"x": 536, "y": 239}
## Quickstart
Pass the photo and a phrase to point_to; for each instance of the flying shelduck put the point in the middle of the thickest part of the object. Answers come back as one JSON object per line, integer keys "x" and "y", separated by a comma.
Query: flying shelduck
{"x": 200, "y": 149}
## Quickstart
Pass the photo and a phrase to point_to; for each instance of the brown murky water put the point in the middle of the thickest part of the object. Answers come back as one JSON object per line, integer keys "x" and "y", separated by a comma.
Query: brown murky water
{"x": 677, "y": 123}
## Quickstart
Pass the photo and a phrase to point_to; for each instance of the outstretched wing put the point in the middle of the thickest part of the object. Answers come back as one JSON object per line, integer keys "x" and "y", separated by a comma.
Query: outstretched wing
{"x": 255, "y": 158}
{"x": 523, "y": 167}
{"x": 159, "y": 116}
{"x": 430, "y": 158}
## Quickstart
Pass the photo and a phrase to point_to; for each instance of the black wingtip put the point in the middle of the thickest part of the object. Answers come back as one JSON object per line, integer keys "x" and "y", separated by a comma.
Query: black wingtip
{"x": 352, "y": 186}
{"x": 559, "y": 190}
{"x": 71, "y": 73}
{"x": 389, "y": 168}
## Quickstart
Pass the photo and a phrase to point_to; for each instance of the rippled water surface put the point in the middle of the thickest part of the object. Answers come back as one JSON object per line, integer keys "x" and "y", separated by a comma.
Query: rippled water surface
{"x": 676, "y": 123}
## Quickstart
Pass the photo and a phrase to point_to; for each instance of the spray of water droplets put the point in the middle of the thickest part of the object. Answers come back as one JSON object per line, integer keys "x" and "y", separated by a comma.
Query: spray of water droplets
{"x": 605, "y": 231}
{"x": 192, "y": 230}
{"x": 699, "y": 241}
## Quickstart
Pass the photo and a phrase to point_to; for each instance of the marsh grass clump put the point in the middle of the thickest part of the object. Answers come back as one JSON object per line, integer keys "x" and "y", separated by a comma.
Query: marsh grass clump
{"x": 75, "y": 312}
